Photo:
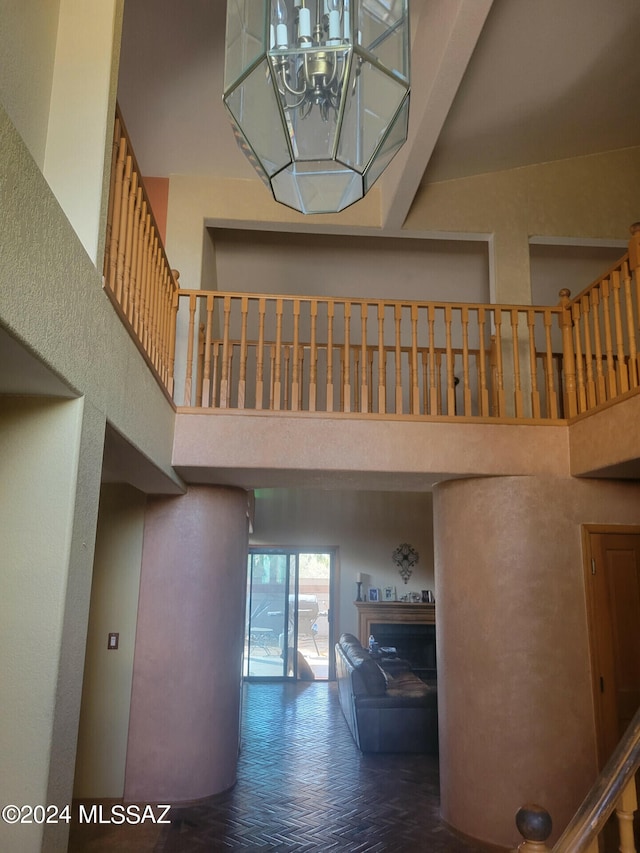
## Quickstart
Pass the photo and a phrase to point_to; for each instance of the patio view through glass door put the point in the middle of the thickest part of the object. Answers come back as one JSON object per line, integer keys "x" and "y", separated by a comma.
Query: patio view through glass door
{"x": 288, "y": 625}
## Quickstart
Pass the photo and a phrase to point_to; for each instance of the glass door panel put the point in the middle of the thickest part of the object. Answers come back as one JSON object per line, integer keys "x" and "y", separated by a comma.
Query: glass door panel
{"x": 267, "y": 615}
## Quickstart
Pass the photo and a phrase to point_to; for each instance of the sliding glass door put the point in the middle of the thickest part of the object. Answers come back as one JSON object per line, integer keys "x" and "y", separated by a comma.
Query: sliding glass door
{"x": 288, "y": 621}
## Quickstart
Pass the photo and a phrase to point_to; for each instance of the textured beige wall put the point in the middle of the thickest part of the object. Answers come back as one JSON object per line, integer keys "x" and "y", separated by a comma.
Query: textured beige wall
{"x": 79, "y": 137}
{"x": 51, "y": 297}
{"x": 585, "y": 197}
{"x": 514, "y": 688}
{"x": 106, "y": 692}
{"x": 185, "y": 703}
{"x": 47, "y": 448}
{"x": 365, "y": 526}
{"x": 27, "y": 51}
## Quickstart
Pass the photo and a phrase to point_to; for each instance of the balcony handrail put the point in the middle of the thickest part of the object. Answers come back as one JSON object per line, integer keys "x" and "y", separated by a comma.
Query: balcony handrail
{"x": 137, "y": 275}
{"x": 613, "y": 790}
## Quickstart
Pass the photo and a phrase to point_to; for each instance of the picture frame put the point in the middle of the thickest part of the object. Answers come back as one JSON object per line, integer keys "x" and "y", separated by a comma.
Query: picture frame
{"x": 389, "y": 593}
{"x": 374, "y": 593}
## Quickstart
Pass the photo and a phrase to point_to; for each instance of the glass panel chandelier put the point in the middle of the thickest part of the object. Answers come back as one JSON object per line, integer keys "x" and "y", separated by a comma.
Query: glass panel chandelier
{"x": 318, "y": 93}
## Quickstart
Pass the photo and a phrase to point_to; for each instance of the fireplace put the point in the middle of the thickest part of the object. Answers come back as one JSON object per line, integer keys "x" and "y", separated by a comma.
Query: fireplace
{"x": 410, "y": 627}
{"x": 413, "y": 642}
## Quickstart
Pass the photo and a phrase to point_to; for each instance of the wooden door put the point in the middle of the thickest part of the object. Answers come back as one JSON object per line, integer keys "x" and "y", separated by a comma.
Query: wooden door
{"x": 613, "y": 597}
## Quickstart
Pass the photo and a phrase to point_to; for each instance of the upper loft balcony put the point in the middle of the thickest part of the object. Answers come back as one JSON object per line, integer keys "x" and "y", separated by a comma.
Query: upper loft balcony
{"x": 309, "y": 385}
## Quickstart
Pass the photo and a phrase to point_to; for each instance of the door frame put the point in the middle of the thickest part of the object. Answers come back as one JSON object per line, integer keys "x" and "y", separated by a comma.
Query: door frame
{"x": 334, "y": 571}
{"x": 595, "y": 649}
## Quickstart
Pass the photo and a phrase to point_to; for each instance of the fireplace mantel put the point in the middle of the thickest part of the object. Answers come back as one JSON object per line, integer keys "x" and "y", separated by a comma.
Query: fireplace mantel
{"x": 391, "y": 613}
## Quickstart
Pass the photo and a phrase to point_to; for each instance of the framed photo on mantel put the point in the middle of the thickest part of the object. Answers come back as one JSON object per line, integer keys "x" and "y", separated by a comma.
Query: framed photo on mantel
{"x": 389, "y": 593}
{"x": 374, "y": 593}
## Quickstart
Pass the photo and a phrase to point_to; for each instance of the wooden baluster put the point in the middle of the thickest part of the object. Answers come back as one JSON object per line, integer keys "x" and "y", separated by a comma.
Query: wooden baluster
{"x": 415, "y": 387}
{"x": 439, "y": 381}
{"x": 425, "y": 380}
{"x": 634, "y": 270}
{"x": 172, "y": 332}
{"x": 534, "y": 825}
{"x": 608, "y": 341}
{"x": 623, "y": 372}
{"x": 517, "y": 378}
{"x": 552, "y": 398}
{"x": 382, "y": 362}
{"x": 370, "y": 357}
{"x": 199, "y": 363}
{"x": 206, "y": 375}
{"x": 122, "y": 229}
{"x": 585, "y": 310}
{"x": 533, "y": 363}
{"x": 260, "y": 354}
{"x": 300, "y": 360}
{"x": 625, "y": 808}
{"x": 434, "y": 369}
{"x": 356, "y": 373}
{"x": 451, "y": 383}
{"x": 190, "y": 344}
{"x": 364, "y": 384}
{"x": 129, "y": 237}
{"x": 242, "y": 378}
{"x": 466, "y": 384}
{"x": 136, "y": 254}
{"x": 112, "y": 197}
{"x": 482, "y": 366}
{"x": 313, "y": 358}
{"x": 272, "y": 381}
{"x": 226, "y": 355}
{"x": 286, "y": 351}
{"x": 600, "y": 381}
{"x": 295, "y": 378}
{"x": 117, "y": 210}
{"x": 634, "y": 376}
{"x": 346, "y": 360}
{"x": 398, "y": 356}
{"x": 568, "y": 359}
{"x": 330, "y": 313}
{"x": 215, "y": 375}
{"x": 580, "y": 383}
{"x": 137, "y": 311}
{"x": 499, "y": 369}
{"x": 277, "y": 383}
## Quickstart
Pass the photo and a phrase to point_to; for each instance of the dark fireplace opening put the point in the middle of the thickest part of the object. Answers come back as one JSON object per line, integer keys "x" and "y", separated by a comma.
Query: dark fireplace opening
{"x": 414, "y": 643}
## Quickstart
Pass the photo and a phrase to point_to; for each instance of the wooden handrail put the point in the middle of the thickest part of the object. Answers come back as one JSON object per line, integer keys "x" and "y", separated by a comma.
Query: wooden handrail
{"x": 296, "y": 353}
{"x": 614, "y": 790}
{"x": 137, "y": 275}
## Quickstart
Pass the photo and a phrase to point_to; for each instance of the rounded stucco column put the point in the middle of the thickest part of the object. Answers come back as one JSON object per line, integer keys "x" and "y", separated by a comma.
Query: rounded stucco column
{"x": 187, "y": 675}
{"x": 514, "y": 690}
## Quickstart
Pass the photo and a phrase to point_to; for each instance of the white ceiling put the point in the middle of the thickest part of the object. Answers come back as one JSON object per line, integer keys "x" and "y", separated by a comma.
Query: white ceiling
{"x": 538, "y": 80}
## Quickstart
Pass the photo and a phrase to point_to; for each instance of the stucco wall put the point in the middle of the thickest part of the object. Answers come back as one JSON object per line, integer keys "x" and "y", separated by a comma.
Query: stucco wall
{"x": 106, "y": 692}
{"x": 514, "y": 696}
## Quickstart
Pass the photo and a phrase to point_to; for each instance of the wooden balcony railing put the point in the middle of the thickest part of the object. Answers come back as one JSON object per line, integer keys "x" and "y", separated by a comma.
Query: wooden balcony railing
{"x": 296, "y": 353}
{"x": 249, "y": 351}
{"x": 137, "y": 276}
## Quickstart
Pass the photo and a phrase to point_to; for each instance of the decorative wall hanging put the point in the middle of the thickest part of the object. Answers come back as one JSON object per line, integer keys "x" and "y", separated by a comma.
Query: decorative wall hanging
{"x": 405, "y": 557}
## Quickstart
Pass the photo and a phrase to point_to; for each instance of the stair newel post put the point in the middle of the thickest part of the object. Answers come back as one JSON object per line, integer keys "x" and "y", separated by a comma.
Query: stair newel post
{"x": 534, "y": 825}
{"x": 568, "y": 357}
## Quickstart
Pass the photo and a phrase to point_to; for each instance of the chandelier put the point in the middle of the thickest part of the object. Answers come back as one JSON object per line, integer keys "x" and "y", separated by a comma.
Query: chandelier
{"x": 318, "y": 93}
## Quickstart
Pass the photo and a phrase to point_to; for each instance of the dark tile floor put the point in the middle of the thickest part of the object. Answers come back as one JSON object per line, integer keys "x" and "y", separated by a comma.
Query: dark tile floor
{"x": 302, "y": 786}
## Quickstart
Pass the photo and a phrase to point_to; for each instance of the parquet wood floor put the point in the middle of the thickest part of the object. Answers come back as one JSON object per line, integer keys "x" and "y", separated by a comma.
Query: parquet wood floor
{"x": 304, "y": 787}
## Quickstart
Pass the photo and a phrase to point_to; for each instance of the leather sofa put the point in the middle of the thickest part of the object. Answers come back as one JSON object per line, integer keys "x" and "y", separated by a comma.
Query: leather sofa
{"x": 387, "y": 709}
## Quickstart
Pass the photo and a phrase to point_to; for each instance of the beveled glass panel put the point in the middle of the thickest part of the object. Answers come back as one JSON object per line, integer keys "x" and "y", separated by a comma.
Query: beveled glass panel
{"x": 245, "y": 38}
{"x": 255, "y": 110}
{"x": 384, "y": 32}
{"x": 376, "y": 99}
{"x": 317, "y": 187}
{"x": 396, "y": 137}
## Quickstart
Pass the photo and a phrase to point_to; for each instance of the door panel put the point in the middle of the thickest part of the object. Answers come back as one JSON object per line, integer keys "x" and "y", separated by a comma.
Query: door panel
{"x": 613, "y": 587}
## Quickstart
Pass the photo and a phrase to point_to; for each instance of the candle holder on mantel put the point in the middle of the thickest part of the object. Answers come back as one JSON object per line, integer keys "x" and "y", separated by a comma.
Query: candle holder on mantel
{"x": 405, "y": 557}
{"x": 359, "y": 595}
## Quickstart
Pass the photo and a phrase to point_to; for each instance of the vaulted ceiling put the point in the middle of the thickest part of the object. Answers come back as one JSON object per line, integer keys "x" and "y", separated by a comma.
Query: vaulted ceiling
{"x": 496, "y": 84}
